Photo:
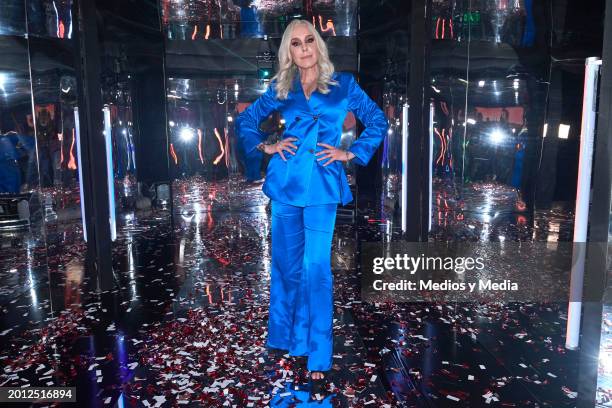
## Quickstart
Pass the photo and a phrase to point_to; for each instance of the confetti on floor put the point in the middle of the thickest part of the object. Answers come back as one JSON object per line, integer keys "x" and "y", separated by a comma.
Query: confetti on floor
{"x": 186, "y": 323}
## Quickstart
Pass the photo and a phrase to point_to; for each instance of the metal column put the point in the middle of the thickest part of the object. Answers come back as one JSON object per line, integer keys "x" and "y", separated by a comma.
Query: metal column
{"x": 94, "y": 166}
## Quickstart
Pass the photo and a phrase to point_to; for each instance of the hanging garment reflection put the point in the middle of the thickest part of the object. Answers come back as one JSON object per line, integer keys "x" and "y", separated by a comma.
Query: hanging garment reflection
{"x": 519, "y": 157}
{"x": 68, "y": 154}
{"x": 250, "y": 26}
{"x": 51, "y": 18}
{"x": 27, "y": 160}
{"x": 10, "y": 174}
{"x": 48, "y": 148}
{"x": 124, "y": 151}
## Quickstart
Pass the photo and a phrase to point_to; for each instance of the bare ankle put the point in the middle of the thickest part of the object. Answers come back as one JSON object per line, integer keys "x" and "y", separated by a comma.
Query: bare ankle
{"x": 317, "y": 375}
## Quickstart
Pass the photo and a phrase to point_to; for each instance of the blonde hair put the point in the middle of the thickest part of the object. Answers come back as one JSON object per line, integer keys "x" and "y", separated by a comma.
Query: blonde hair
{"x": 287, "y": 68}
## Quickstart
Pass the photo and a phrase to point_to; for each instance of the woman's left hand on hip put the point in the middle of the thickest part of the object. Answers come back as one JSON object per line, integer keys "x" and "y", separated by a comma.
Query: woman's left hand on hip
{"x": 333, "y": 154}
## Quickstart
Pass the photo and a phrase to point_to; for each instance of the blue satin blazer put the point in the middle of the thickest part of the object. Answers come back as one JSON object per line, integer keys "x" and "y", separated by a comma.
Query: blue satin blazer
{"x": 302, "y": 180}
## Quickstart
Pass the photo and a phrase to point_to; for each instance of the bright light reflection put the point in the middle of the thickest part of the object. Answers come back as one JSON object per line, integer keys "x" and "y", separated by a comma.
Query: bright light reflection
{"x": 187, "y": 134}
{"x": 564, "y": 131}
{"x": 497, "y": 136}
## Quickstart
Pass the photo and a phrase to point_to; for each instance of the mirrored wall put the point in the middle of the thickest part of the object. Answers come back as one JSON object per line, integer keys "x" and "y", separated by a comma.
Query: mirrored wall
{"x": 231, "y": 19}
{"x": 384, "y": 71}
{"x": 19, "y": 160}
{"x": 220, "y": 57}
{"x": 506, "y": 87}
{"x": 40, "y": 174}
{"x": 53, "y": 57}
{"x": 39, "y": 98}
{"x": 19, "y": 176}
{"x": 40, "y": 201}
{"x": 504, "y": 129}
{"x": 132, "y": 81}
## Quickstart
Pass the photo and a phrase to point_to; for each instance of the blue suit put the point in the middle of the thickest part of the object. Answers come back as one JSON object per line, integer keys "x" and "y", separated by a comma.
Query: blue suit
{"x": 302, "y": 180}
{"x": 305, "y": 195}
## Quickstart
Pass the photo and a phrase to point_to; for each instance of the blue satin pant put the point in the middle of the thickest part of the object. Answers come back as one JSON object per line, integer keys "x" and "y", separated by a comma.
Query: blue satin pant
{"x": 301, "y": 293}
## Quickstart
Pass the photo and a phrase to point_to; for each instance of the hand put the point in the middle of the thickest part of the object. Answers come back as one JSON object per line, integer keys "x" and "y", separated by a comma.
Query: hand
{"x": 333, "y": 154}
{"x": 280, "y": 146}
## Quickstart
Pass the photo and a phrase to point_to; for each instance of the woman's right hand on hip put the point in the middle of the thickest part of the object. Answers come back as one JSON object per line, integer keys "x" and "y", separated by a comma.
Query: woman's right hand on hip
{"x": 280, "y": 146}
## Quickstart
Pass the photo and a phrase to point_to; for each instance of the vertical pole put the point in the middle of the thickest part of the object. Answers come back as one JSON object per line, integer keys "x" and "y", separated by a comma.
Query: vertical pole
{"x": 94, "y": 169}
{"x": 110, "y": 176}
{"x": 77, "y": 135}
{"x": 418, "y": 168}
{"x": 430, "y": 186}
{"x": 587, "y": 136}
{"x": 596, "y": 268}
{"x": 405, "y": 145}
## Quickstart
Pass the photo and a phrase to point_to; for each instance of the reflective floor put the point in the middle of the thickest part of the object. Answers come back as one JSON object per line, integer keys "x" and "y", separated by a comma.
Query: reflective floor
{"x": 494, "y": 212}
{"x": 187, "y": 322}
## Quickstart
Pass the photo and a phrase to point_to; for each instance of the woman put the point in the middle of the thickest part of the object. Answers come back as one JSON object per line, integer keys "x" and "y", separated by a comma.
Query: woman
{"x": 306, "y": 180}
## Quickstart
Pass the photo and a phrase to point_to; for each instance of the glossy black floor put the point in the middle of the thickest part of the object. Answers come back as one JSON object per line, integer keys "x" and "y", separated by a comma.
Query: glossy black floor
{"x": 186, "y": 324}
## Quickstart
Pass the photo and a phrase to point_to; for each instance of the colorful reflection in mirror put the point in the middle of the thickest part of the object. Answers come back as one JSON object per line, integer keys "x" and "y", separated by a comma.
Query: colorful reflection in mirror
{"x": 20, "y": 206}
{"x": 203, "y": 143}
{"x": 505, "y": 136}
{"x": 498, "y": 21}
{"x": 50, "y": 18}
{"x": 55, "y": 98}
{"x": 18, "y": 171}
{"x": 117, "y": 96}
{"x": 226, "y": 19}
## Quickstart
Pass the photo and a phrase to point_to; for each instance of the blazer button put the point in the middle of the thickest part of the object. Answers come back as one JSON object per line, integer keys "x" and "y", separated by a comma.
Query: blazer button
{"x": 315, "y": 117}
{"x": 310, "y": 151}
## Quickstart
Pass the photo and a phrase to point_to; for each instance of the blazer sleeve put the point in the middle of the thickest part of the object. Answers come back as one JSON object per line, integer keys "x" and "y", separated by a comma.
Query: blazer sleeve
{"x": 372, "y": 117}
{"x": 247, "y": 123}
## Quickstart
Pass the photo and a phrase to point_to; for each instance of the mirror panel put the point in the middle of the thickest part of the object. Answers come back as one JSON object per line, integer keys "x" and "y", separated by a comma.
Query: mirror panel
{"x": 22, "y": 227}
{"x": 19, "y": 175}
{"x": 506, "y": 128}
{"x": 384, "y": 71}
{"x": 134, "y": 112}
{"x": 50, "y": 18}
{"x": 450, "y": 56}
{"x": 211, "y": 82}
{"x": 227, "y": 19}
{"x": 54, "y": 87}
{"x": 12, "y": 18}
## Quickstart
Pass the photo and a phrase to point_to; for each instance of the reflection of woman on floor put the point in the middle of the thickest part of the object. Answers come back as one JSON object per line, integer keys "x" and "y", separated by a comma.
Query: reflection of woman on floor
{"x": 306, "y": 180}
